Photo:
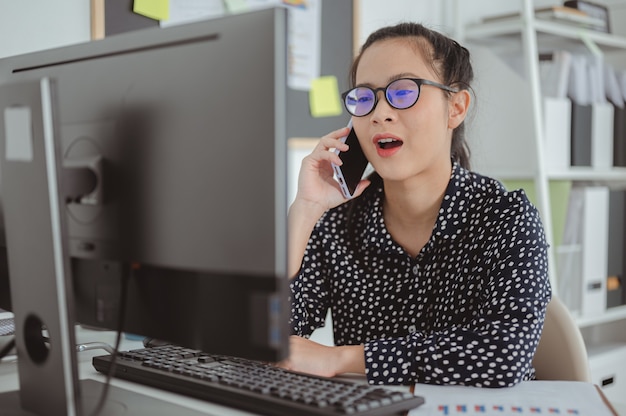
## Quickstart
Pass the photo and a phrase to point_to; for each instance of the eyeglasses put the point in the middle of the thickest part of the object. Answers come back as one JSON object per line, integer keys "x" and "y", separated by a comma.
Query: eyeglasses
{"x": 402, "y": 93}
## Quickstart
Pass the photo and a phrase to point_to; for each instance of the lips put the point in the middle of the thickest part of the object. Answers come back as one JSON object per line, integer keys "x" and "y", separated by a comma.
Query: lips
{"x": 389, "y": 143}
{"x": 386, "y": 144}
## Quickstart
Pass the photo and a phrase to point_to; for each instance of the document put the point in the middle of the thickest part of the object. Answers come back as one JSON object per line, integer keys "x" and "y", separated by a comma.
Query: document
{"x": 185, "y": 11}
{"x": 596, "y": 79}
{"x": 305, "y": 39}
{"x": 612, "y": 89}
{"x": 527, "y": 398}
{"x": 579, "y": 86}
{"x": 554, "y": 71}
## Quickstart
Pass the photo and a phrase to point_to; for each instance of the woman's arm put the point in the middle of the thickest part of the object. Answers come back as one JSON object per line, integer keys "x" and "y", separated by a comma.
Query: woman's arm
{"x": 317, "y": 193}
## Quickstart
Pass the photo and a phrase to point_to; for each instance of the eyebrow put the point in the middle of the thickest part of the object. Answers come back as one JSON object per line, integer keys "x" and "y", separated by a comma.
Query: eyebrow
{"x": 390, "y": 79}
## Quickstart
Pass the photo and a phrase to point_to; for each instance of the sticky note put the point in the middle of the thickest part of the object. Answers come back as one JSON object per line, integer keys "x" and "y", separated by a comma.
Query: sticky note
{"x": 18, "y": 134}
{"x": 154, "y": 9}
{"x": 324, "y": 97}
{"x": 296, "y": 3}
{"x": 236, "y": 6}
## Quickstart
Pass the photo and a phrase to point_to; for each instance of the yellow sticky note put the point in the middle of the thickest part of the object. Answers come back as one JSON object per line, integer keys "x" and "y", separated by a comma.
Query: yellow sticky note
{"x": 154, "y": 9}
{"x": 324, "y": 97}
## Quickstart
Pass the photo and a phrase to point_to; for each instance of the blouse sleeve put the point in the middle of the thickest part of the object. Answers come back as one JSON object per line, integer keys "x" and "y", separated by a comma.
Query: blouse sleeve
{"x": 310, "y": 289}
{"x": 496, "y": 347}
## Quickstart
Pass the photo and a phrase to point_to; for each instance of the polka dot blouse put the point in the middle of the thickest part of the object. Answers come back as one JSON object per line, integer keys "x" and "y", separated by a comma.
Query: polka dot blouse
{"x": 468, "y": 310}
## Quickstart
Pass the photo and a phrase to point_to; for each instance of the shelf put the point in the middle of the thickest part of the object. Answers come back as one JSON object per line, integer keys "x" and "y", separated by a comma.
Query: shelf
{"x": 611, "y": 176}
{"x": 615, "y": 175}
{"x": 497, "y": 41}
{"x": 510, "y": 175}
{"x": 610, "y": 315}
{"x": 515, "y": 26}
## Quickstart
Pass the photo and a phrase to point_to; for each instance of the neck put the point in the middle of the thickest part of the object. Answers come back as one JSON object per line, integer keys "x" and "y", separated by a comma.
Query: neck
{"x": 418, "y": 199}
{"x": 411, "y": 207}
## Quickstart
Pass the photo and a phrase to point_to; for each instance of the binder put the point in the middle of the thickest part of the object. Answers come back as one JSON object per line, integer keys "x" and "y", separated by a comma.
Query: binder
{"x": 592, "y": 138}
{"x": 557, "y": 116}
{"x": 569, "y": 253}
{"x": 619, "y": 136}
{"x": 616, "y": 245}
{"x": 602, "y": 135}
{"x": 581, "y": 135}
{"x": 615, "y": 96}
{"x": 594, "y": 244}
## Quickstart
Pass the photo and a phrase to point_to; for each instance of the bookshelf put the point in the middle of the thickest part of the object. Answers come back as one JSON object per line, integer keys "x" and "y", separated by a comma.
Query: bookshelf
{"x": 510, "y": 139}
{"x": 547, "y": 32}
{"x": 612, "y": 314}
{"x": 520, "y": 156}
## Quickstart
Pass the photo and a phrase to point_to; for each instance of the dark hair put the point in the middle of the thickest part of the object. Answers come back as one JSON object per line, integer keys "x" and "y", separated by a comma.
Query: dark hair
{"x": 449, "y": 60}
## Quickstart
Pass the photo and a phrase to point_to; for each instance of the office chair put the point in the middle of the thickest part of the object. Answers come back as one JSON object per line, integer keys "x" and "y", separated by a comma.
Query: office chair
{"x": 561, "y": 353}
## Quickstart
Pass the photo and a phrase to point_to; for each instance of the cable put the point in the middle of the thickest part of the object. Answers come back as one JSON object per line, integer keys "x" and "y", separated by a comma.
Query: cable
{"x": 95, "y": 346}
{"x": 122, "y": 312}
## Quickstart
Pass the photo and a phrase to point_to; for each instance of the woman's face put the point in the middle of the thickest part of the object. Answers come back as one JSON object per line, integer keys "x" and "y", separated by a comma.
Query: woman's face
{"x": 410, "y": 143}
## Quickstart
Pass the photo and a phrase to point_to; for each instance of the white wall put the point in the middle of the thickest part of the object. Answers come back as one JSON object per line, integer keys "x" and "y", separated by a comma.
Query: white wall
{"x": 32, "y": 25}
{"x": 443, "y": 15}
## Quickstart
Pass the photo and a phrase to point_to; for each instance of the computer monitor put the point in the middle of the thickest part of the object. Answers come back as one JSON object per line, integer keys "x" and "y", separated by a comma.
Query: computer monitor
{"x": 173, "y": 186}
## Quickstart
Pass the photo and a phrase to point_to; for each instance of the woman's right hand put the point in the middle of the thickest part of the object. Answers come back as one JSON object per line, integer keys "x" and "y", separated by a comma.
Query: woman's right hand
{"x": 316, "y": 185}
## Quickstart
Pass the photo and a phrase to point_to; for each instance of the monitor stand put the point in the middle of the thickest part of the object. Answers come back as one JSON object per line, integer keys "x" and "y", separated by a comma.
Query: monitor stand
{"x": 39, "y": 270}
{"x": 39, "y": 264}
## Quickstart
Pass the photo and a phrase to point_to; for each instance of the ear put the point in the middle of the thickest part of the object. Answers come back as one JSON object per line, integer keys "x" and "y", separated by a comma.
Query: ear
{"x": 458, "y": 107}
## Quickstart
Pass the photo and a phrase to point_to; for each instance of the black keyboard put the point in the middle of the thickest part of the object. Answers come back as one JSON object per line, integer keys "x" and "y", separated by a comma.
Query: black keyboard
{"x": 7, "y": 326}
{"x": 253, "y": 386}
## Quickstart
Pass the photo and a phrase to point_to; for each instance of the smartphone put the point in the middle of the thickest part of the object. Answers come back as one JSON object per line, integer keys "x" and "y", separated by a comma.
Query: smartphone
{"x": 354, "y": 163}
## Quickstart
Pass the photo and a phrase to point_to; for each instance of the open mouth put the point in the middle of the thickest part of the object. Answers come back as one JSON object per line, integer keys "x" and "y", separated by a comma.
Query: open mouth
{"x": 389, "y": 143}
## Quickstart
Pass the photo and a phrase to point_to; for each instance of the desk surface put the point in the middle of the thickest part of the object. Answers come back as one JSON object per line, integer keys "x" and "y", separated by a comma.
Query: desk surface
{"x": 435, "y": 395}
{"x": 9, "y": 380}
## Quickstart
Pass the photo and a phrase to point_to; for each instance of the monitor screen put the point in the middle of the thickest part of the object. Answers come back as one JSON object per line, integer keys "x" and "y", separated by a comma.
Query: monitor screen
{"x": 183, "y": 129}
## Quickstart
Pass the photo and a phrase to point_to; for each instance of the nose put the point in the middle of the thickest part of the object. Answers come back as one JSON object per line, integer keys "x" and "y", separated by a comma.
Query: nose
{"x": 383, "y": 112}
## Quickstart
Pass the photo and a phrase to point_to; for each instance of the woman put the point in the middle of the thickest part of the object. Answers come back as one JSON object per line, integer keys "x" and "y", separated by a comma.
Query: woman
{"x": 433, "y": 274}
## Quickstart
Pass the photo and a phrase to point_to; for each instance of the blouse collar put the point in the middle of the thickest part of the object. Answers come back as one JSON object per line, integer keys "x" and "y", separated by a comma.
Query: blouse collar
{"x": 449, "y": 225}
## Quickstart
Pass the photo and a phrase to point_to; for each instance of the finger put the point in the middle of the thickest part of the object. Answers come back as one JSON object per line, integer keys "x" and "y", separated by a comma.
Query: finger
{"x": 333, "y": 140}
{"x": 324, "y": 155}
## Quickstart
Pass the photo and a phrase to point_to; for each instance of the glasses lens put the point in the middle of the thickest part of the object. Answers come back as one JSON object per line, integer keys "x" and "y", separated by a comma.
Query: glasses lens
{"x": 402, "y": 93}
{"x": 360, "y": 101}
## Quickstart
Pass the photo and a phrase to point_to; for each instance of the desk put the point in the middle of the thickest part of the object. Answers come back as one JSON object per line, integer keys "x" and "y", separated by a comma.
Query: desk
{"x": 9, "y": 381}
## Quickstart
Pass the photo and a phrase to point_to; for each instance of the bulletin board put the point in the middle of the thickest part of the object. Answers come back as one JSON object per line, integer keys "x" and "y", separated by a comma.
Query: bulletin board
{"x": 109, "y": 17}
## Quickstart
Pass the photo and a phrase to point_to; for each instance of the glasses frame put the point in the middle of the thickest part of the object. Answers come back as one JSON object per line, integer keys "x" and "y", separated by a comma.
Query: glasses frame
{"x": 418, "y": 81}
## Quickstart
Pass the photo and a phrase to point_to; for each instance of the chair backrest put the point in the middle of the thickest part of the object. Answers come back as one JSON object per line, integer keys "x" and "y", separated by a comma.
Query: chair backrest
{"x": 561, "y": 353}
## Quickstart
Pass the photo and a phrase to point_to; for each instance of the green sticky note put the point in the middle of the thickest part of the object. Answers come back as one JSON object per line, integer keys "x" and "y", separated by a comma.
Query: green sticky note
{"x": 324, "y": 97}
{"x": 154, "y": 9}
{"x": 236, "y": 6}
